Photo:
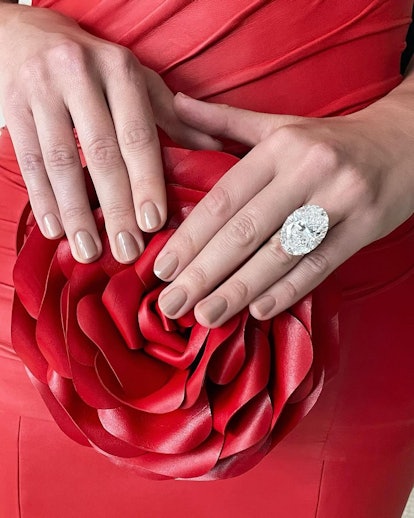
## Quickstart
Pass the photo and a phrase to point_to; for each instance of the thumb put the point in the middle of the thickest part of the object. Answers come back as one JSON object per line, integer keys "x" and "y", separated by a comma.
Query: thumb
{"x": 245, "y": 126}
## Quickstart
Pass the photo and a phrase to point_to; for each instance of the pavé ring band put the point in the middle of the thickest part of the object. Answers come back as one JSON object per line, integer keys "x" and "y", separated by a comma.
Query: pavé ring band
{"x": 304, "y": 229}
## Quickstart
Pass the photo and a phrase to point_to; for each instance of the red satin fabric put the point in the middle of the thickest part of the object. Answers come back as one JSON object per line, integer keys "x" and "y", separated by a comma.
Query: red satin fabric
{"x": 354, "y": 454}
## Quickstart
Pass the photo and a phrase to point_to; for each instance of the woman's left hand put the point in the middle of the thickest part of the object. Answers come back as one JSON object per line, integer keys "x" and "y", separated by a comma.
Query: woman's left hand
{"x": 227, "y": 253}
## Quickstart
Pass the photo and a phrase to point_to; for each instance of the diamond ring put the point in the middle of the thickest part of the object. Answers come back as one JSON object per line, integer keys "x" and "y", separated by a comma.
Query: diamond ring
{"x": 304, "y": 230}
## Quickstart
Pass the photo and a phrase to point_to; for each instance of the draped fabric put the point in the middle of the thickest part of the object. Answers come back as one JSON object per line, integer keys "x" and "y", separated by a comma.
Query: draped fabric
{"x": 353, "y": 455}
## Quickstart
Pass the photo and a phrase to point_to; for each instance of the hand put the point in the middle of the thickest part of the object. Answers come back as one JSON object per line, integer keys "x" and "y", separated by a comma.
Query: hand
{"x": 55, "y": 76}
{"x": 227, "y": 253}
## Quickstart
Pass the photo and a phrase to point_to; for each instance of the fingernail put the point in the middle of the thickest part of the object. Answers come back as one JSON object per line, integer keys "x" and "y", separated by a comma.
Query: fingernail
{"x": 173, "y": 301}
{"x": 128, "y": 249}
{"x": 52, "y": 226}
{"x": 264, "y": 305}
{"x": 85, "y": 245}
{"x": 150, "y": 216}
{"x": 166, "y": 266}
{"x": 213, "y": 309}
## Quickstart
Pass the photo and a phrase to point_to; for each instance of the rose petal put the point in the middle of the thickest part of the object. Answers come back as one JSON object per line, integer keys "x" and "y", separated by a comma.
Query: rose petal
{"x": 228, "y": 359}
{"x": 121, "y": 298}
{"x": 252, "y": 379}
{"x": 189, "y": 465}
{"x": 137, "y": 374}
{"x": 29, "y": 276}
{"x": 173, "y": 433}
{"x": 89, "y": 387}
{"x": 293, "y": 355}
{"x": 50, "y": 334}
{"x": 239, "y": 463}
{"x": 24, "y": 341}
{"x": 161, "y": 400}
{"x": 85, "y": 418}
{"x": 176, "y": 358}
{"x": 215, "y": 338}
{"x": 249, "y": 426}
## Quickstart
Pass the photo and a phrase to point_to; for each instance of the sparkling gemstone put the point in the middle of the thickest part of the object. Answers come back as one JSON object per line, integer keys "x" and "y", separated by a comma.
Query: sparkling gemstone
{"x": 304, "y": 229}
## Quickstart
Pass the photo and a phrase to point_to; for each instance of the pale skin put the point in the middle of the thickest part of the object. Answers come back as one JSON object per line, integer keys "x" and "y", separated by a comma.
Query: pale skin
{"x": 55, "y": 76}
{"x": 358, "y": 167}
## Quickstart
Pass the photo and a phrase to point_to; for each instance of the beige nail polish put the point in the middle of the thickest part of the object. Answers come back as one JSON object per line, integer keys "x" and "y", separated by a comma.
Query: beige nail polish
{"x": 264, "y": 305}
{"x": 128, "y": 249}
{"x": 52, "y": 226}
{"x": 173, "y": 301}
{"x": 214, "y": 308}
{"x": 150, "y": 216}
{"x": 166, "y": 266}
{"x": 85, "y": 245}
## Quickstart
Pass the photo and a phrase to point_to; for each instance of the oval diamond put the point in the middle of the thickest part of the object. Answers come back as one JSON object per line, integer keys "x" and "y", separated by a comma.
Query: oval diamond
{"x": 304, "y": 229}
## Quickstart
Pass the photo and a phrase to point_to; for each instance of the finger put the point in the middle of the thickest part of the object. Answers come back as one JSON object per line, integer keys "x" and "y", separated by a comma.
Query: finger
{"x": 66, "y": 177}
{"x": 107, "y": 168}
{"x": 162, "y": 100}
{"x": 30, "y": 159}
{"x": 269, "y": 264}
{"x": 233, "y": 244}
{"x": 309, "y": 272}
{"x": 244, "y": 126}
{"x": 136, "y": 132}
{"x": 225, "y": 199}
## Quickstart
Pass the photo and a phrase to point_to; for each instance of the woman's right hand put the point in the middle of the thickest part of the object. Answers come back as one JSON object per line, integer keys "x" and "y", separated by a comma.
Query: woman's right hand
{"x": 55, "y": 77}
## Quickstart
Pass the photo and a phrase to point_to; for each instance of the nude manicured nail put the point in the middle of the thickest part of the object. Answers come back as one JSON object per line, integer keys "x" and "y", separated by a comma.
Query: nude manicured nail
{"x": 166, "y": 266}
{"x": 214, "y": 308}
{"x": 52, "y": 226}
{"x": 128, "y": 249}
{"x": 173, "y": 301}
{"x": 85, "y": 245}
{"x": 264, "y": 305}
{"x": 150, "y": 215}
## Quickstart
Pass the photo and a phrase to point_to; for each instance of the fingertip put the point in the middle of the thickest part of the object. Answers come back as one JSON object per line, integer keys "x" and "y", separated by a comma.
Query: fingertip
{"x": 263, "y": 308}
{"x": 86, "y": 249}
{"x": 51, "y": 226}
{"x": 150, "y": 217}
{"x": 127, "y": 247}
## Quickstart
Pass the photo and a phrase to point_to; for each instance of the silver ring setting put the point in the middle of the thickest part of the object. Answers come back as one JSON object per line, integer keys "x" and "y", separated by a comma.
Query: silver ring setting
{"x": 304, "y": 230}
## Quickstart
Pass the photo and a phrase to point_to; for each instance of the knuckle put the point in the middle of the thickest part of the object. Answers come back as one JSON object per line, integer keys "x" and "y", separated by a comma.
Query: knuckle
{"x": 144, "y": 184}
{"x": 120, "y": 63}
{"x": 277, "y": 253}
{"x": 239, "y": 289}
{"x": 74, "y": 213}
{"x": 61, "y": 157}
{"x": 68, "y": 56}
{"x": 197, "y": 276}
{"x": 242, "y": 231}
{"x": 289, "y": 290}
{"x": 287, "y": 133}
{"x": 217, "y": 202}
{"x": 188, "y": 242}
{"x": 316, "y": 262}
{"x": 139, "y": 134}
{"x": 323, "y": 154}
{"x": 118, "y": 211}
{"x": 30, "y": 163}
{"x": 103, "y": 152}
{"x": 359, "y": 187}
{"x": 118, "y": 55}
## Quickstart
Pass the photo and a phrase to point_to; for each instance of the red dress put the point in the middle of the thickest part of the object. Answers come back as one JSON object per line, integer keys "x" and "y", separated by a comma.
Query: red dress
{"x": 353, "y": 455}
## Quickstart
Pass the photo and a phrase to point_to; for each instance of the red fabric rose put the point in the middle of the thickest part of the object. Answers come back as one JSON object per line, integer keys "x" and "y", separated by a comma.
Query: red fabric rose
{"x": 172, "y": 399}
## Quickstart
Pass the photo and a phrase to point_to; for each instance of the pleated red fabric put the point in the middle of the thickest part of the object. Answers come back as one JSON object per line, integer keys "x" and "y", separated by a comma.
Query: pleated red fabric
{"x": 353, "y": 455}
